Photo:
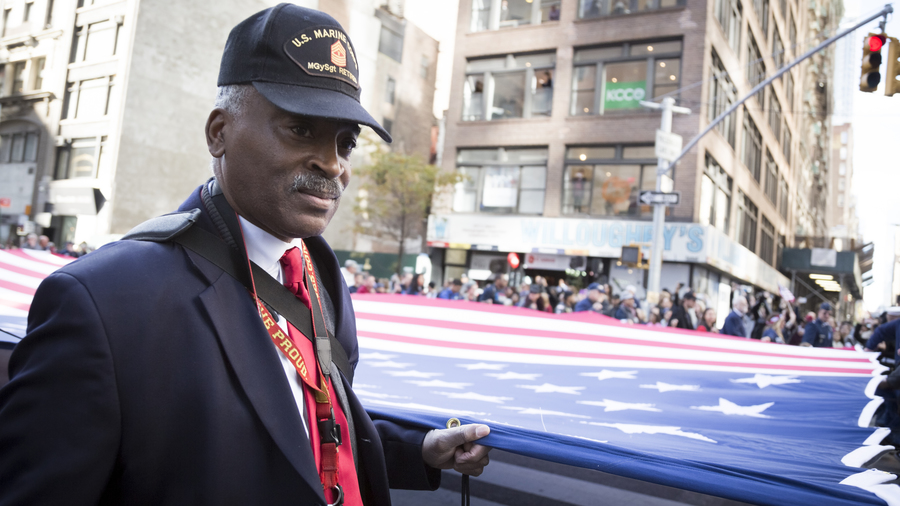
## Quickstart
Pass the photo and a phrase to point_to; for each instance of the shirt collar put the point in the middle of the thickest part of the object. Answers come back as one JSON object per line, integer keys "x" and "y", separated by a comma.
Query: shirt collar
{"x": 263, "y": 248}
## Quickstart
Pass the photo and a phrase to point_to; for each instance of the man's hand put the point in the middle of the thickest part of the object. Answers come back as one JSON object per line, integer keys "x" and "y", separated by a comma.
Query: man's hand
{"x": 454, "y": 449}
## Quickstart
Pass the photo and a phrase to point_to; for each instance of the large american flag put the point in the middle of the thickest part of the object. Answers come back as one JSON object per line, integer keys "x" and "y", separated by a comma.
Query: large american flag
{"x": 750, "y": 421}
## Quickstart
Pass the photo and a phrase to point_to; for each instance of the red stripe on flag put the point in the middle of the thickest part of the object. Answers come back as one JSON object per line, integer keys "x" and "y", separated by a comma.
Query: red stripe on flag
{"x": 15, "y": 305}
{"x": 9, "y": 285}
{"x": 22, "y": 270}
{"x": 474, "y": 327}
{"x": 575, "y": 354}
{"x": 35, "y": 258}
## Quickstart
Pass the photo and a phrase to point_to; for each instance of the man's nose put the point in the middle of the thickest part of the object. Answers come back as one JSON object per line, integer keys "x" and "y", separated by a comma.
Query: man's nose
{"x": 327, "y": 161}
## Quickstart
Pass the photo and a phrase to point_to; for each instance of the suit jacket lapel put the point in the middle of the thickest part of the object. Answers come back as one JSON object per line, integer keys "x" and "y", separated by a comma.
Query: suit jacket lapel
{"x": 256, "y": 363}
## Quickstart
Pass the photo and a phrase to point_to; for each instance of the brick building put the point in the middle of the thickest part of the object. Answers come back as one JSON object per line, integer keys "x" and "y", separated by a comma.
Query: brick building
{"x": 545, "y": 120}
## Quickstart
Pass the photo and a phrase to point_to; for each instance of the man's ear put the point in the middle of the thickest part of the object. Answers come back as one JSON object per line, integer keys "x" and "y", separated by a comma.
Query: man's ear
{"x": 215, "y": 132}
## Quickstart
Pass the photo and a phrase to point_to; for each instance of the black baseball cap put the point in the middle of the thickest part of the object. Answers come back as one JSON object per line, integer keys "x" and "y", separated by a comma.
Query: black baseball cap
{"x": 301, "y": 60}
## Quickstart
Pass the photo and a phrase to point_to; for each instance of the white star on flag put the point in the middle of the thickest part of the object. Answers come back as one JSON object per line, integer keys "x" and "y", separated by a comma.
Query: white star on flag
{"x": 729, "y": 408}
{"x": 389, "y": 363}
{"x": 475, "y": 397}
{"x": 620, "y": 406}
{"x": 413, "y": 374}
{"x": 375, "y": 356}
{"x": 665, "y": 387}
{"x": 439, "y": 384}
{"x": 509, "y": 375}
{"x": 482, "y": 365}
{"x": 607, "y": 374}
{"x": 548, "y": 388}
{"x": 764, "y": 380}
{"x": 653, "y": 429}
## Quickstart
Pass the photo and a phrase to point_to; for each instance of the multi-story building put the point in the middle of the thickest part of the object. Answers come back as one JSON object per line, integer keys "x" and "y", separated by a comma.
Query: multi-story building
{"x": 546, "y": 122}
{"x": 103, "y": 103}
{"x": 841, "y": 208}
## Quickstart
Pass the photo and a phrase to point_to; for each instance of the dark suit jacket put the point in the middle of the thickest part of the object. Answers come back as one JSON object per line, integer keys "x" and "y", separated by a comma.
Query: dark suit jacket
{"x": 684, "y": 320}
{"x": 147, "y": 378}
{"x": 734, "y": 325}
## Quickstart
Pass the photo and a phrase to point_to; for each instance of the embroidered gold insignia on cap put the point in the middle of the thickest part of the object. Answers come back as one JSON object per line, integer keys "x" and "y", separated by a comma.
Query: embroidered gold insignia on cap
{"x": 338, "y": 55}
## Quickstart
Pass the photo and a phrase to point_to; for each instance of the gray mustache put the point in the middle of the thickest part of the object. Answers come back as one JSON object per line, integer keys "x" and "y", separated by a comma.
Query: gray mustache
{"x": 320, "y": 185}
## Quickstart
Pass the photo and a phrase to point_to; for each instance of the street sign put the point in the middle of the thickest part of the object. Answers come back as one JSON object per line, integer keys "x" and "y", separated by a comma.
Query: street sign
{"x": 5, "y": 202}
{"x": 650, "y": 197}
{"x": 668, "y": 145}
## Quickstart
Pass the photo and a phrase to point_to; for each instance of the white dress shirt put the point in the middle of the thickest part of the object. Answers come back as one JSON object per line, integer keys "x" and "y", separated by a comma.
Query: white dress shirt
{"x": 266, "y": 251}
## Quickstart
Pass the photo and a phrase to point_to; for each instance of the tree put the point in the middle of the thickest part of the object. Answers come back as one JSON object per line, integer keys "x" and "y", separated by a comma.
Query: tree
{"x": 395, "y": 196}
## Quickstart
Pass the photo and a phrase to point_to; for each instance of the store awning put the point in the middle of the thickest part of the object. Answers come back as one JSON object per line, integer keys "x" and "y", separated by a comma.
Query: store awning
{"x": 819, "y": 263}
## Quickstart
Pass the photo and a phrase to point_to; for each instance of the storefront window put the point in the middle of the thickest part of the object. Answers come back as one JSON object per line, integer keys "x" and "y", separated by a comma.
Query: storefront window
{"x": 606, "y": 181}
{"x": 619, "y": 77}
{"x": 503, "y": 180}
{"x": 514, "y": 86}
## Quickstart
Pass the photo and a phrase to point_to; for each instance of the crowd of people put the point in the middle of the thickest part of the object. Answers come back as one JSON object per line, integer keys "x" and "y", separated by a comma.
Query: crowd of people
{"x": 43, "y": 243}
{"x": 755, "y": 315}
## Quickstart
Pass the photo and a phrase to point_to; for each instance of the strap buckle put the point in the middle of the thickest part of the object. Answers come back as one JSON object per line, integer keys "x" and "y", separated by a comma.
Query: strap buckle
{"x": 340, "y": 496}
{"x": 329, "y": 431}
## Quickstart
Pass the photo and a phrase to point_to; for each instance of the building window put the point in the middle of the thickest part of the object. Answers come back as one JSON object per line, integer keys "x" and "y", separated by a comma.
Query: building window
{"x": 746, "y": 222}
{"x": 789, "y": 89}
{"x": 751, "y": 146}
{"x": 48, "y": 17}
{"x": 762, "y": 12}
{"x": 786, "y": 145}
{"x": 774, "y": 114}
{"x": 756, "y": 68}
{"x": 777, "y": 50}
{"x": 729, "y": 13}
{"x": 6, "y": 19}
{"x": 607, "y": 180}
{"x": 19, "y": 147}
{"x": 613, "y": 78}
{"x": 502, "y": 180}
{"x": 390, "y": 43}
{"x": 39, "y": 65}
{"x": 389, "y": 90}
{"x": 424, "y": 65}
{"x": 19, "y": 78}
{"x": 722, "y": 95}
{"x": 95, "y": 42}
{"x": 792, "y": 31}
{"x": 89, "y": 99}
{"x": 715, "y": 196}
{"x": 82, "y": 158}
{"x": 497, "y": 14}
{"x": 842, "y": 168}
{"x": 844, "y": 137}
{"x": 840, "y": 199}
{"x": 596, "y": 8}
{"x": 26, "y": 15}
{"x": 843, "y": 153}
{"x": 771, "y": 179}
{"x": 842, "y": 184}
{"x": 513, "y": 86}
{"x": 767, "y": 242}
{"x": 783, "y": 198}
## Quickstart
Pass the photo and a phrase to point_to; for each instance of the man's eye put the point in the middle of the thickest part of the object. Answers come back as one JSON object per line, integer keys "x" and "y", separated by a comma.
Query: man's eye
{"x": 302, "y": 131}
{"x": 349, "y": 144}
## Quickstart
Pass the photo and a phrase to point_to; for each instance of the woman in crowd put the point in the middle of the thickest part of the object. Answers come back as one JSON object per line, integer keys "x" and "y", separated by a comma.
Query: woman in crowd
{"x": 708, "y": 321}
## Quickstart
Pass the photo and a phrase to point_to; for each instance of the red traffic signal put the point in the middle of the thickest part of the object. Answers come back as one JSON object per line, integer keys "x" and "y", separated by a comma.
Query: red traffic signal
{"x": 513, "y": 260}
{"x": 875, "y": 42}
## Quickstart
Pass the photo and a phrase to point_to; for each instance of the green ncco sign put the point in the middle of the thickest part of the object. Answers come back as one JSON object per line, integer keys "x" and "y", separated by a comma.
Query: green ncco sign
{"x": 624, "y": 95}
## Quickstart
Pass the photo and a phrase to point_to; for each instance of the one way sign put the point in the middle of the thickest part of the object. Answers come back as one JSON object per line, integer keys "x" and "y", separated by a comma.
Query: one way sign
{"x": 660, "y": 198}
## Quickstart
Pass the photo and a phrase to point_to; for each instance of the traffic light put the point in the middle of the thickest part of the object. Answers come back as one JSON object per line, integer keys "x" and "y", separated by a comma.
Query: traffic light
{"x": 892, "y": 70}
{"x": 871, "y": 61}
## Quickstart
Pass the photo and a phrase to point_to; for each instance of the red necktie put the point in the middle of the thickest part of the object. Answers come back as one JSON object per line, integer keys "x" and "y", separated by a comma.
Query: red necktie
{"x": 294, "y": 275}
{"x": 292, "y": 263}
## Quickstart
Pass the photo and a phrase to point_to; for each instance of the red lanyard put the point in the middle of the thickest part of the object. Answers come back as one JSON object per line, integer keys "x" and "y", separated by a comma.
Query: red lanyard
{"x": 329, "y": 431}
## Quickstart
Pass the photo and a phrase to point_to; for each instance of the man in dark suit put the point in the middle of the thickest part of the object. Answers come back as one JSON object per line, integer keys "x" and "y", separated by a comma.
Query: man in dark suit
{"x": 680, "y": 312}
{"x": 151, "y": 376}
{"x": 734, "y": 322}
